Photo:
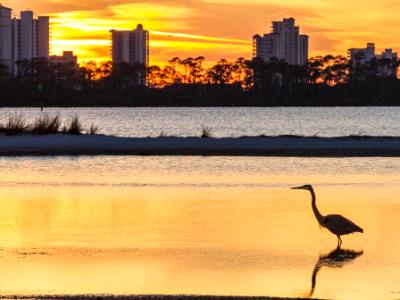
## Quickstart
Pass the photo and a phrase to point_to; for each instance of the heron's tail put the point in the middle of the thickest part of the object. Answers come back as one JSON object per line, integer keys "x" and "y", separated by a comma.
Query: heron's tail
{"x": 359, "y": 229}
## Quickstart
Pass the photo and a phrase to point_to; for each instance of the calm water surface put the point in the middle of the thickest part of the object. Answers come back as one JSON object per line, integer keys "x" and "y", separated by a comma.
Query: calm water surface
{"x": 197, "y": 225}
{"x": 228, "y": 122}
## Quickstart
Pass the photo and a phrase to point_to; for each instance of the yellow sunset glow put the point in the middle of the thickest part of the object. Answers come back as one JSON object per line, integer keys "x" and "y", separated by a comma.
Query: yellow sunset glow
{"x": 213, "y": 28}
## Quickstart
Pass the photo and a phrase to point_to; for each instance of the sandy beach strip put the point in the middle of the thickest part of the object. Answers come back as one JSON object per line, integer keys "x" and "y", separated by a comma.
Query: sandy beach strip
{"x": 74, "y": 145}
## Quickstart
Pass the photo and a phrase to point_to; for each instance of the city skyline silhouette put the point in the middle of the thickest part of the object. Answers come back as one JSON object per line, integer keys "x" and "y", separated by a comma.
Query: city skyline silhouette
{"x": 210, "y": 28}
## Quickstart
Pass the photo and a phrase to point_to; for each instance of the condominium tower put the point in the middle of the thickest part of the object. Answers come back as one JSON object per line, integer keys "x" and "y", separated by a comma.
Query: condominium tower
{"x": 5, "y": 36}
{"x": 387, "y": 65}
{"x": 130, "y": 46}
{"x": 23, "y": 38}
{"x": 285, "y": 42}
{"x": 30, "y": 36}
{"x": 366, "y": 54}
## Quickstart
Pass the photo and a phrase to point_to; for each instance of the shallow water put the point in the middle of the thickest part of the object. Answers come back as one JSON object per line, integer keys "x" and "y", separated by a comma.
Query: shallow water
{"x": 230, "y": 122}
{"x": 197, "y": 225}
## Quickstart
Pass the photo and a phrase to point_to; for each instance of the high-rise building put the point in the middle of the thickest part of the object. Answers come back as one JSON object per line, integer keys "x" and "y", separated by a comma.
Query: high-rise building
{"x": 362, "y": 55}
{"x": 68, "y": 57}
{"x": 130, "y": 46}
{"x": 365, "y": 55}
{"x": 23, "y": 38}
{"x": 30, "y": 36}
{"x": 285, "y": 42}
{"x": 5, "y": 36}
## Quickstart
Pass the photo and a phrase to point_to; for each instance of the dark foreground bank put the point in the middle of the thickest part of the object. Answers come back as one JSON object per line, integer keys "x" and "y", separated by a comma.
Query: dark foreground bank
{"x": 63, "y": 144}
{"x": 146, "y": 297}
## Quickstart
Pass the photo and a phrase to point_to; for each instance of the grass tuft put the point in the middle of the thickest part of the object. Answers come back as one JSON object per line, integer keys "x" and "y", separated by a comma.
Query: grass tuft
{"x": 205, "y": 132}
{"x": 46, "y": 125}
{"x": 74, "y": 127}
{"x": 16, "y": 124}
{"x": 93, "y": 129}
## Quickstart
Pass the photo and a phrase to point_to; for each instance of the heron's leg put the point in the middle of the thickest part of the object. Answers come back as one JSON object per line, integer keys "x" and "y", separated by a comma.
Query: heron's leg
{"x": 339, "y": 241}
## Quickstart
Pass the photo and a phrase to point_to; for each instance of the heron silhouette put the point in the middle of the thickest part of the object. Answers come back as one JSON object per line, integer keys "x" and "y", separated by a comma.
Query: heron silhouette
{"x": 336, "y": 224}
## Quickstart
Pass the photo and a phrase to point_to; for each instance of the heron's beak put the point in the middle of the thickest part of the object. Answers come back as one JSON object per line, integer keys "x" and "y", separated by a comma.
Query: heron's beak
{"x": 297, "y": 188}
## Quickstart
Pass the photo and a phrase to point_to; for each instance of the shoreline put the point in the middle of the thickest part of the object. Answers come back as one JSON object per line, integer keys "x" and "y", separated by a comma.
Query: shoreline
{"x": 142, "y": 297}
{"x": 280, "y": 146}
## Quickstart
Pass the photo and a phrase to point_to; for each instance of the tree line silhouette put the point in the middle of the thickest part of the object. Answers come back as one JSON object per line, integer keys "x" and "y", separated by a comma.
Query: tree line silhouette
{"x": 325, "y": 80}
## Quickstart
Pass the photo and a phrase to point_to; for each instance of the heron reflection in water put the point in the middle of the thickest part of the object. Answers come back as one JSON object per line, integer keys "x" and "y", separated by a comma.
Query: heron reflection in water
{"x": 335, "y": 259}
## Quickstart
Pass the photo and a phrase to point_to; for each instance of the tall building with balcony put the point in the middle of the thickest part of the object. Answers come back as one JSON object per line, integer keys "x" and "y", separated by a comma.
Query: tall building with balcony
{"x": 67, "y": 57}
{"x": 362, "y": 55}
{"x": 386, "y": 65}
{"x": 23, "y": 38}
{"x": 5, "y": 36}
{"x": 30, "y": 36}
{"x": 284, "y": 42}
{"x": 130, "y": 46}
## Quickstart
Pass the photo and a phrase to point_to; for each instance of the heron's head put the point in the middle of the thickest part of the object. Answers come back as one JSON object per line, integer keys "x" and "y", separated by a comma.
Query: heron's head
{"x": 306, "y": 187}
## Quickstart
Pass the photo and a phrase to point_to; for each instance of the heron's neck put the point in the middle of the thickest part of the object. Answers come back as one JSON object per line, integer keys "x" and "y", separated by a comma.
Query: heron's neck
{"x": 320, "y": 218}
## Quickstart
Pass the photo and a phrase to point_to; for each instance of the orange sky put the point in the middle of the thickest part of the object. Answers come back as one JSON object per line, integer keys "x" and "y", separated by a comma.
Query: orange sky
{"x": 214, "y": 28}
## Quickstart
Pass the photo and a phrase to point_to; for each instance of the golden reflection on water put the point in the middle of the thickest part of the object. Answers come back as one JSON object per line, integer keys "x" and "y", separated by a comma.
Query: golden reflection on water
{"x": 179, "y": 235}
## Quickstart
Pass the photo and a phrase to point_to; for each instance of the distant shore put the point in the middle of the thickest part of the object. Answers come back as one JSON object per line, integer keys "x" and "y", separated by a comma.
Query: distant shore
{"x": 75, "y": 145}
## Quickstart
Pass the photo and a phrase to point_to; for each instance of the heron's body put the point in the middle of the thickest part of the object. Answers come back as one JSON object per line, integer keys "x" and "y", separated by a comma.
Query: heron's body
{"x": 339, "y": 225}
{"x": 336, "y": 224}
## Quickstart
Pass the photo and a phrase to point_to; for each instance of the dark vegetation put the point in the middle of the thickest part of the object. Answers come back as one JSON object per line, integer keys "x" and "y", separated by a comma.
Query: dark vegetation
{"x": 44, "y": 124}
{"x": 323, "y": 81}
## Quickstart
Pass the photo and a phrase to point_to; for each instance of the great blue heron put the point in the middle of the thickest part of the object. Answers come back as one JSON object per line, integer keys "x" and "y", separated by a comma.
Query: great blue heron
{"x": 336, "y": 224}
